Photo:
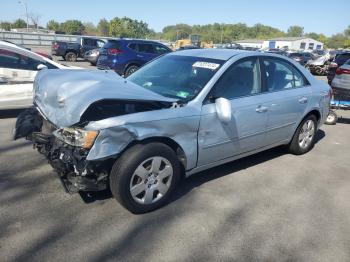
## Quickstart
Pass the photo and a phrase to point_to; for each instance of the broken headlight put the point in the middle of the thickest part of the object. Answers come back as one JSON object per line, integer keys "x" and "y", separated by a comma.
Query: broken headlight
{"x": 76, "y": 136}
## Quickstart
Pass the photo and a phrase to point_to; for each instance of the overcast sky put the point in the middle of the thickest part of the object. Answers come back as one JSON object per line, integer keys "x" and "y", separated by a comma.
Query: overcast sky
{"x": 318, "y": 16}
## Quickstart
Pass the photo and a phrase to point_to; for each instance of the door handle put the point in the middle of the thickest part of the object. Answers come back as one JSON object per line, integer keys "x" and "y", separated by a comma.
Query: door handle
{"x": 139, "y": 55}
{"x": 261, "y": 109}
{"x": 302, "y": 100}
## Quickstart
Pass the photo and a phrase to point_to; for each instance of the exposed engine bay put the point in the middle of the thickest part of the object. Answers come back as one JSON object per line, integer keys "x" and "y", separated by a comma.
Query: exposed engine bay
{"x": 68, "y": 159}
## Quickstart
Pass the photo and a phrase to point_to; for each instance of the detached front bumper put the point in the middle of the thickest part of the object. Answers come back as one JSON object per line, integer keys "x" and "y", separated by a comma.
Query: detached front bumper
{"x": 74, "y": 170}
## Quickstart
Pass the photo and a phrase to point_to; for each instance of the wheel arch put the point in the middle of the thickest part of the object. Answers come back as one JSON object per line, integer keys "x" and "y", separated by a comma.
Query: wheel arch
{"x": 131, "y": 64}
{"x": 180, "y": 153}
{"x": 71, "y": 51}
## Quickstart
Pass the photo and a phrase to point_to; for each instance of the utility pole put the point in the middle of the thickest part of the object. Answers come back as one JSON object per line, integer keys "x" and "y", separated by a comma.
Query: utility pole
{"x": 26, "y": 10}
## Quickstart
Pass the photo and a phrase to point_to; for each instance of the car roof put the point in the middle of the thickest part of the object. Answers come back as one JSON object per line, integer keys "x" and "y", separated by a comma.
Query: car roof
{"x": 222, "y": 54}
{"x": 133, "y": 40}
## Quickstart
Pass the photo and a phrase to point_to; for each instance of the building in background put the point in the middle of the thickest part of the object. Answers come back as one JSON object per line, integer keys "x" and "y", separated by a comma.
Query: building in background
{"x": 293, "y": 43}
{"x": 254, "y": 43}
{"x": 290, "y": 43}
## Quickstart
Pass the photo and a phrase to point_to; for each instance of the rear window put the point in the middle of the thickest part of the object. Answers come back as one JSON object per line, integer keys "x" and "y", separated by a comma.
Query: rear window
{"x": 112, "y": 44}
{"x": 342, "y": 58}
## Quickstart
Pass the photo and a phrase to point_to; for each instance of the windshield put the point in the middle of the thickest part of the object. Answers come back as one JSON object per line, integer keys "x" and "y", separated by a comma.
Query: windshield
{"x": 175, "y": 76}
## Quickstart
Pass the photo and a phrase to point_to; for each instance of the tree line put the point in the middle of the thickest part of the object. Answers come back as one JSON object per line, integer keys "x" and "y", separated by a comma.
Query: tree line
{"x": 217, "y": 33}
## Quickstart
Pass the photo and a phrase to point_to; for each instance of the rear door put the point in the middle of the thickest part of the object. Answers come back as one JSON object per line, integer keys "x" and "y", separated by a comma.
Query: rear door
{"x": 18, "y": 72}
{"x": 289, "y": 93}
{"x": 145, "y": 52}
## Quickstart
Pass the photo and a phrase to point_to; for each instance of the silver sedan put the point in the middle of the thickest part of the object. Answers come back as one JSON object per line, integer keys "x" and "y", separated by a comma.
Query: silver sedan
{"x": 180, "y": 114}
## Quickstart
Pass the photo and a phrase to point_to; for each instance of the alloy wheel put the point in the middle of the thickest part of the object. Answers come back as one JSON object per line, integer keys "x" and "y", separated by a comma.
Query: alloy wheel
{"x": 151, "y": 180}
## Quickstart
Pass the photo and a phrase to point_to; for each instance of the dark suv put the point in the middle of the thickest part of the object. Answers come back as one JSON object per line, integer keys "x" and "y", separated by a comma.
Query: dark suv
{"x": 338, "y": 61}
{"x": 125, "y": 56}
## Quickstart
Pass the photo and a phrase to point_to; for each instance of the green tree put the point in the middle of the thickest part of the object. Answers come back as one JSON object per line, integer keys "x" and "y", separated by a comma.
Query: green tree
{"x": 6, "y": 26}
{"x": 336, "y": 41}
{"x": 53, "y": 25}
{"x": 127, "y": 27}
{"x": 90, "y": 28}
{"x": 176, "y": 32}
{"x": 347, "y": 31}
{"x": 103, "y": 27}
{"x": 72, "y": 27}
{"x": 19, "y": 23}
{"x": 295, "y": 30}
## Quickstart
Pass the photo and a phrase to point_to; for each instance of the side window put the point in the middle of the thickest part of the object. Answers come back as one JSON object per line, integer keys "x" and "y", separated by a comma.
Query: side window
{"x": 241, "y": 79}
{"x": 9, "y": 59}
{"x": 133, "y": 46}
{"x": 302, "y": 45}
{"x": 90, "y": 42}
{"x": 160, "y": 49}
{"x": 100, "y": 43}
{"x": 146, "y": 48}
{"x": 281, "y": 75}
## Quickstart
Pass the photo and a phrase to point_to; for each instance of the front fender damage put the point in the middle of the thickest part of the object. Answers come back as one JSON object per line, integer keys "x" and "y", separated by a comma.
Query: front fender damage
{"x": 113, "y": 140}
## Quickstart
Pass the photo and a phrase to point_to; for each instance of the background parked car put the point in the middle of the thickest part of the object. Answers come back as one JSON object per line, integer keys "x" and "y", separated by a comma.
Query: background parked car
{"x": 92, "y": 56}
{"x": 302, "y": 57}
{"x": 125, "y": 56}
{"x": 276, "y": 51}
{"x": 18, "y": 68}
{"x": 70, "y": 51}
{"x": 338, "y": 61}
{"x": 341, "y": 80}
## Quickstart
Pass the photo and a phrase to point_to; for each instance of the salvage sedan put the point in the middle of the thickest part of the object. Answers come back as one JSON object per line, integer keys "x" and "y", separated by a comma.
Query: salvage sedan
{"x": 182, "y": 113}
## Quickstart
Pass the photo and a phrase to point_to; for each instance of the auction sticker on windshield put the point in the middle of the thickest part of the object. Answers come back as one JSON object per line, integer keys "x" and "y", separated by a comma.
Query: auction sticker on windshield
{"x": 207, "y": 65}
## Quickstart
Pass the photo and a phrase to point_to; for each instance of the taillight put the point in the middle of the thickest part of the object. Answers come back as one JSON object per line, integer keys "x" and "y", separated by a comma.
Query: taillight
{"x": 114, "y": 51}
{"x": 55, "y": 46}
{"x": 340, "y": 71}
{"x": 333, "y": 64}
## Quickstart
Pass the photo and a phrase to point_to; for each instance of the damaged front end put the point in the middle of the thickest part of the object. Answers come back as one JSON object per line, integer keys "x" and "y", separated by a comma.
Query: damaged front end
{"x": 65, "y": 153}
{"x": 59, "y": 124}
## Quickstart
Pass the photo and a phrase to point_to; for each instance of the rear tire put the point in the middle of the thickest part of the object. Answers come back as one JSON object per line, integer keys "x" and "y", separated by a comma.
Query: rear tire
{"x": 138, "y": 184}
{"x": 331, "y": 118}
{"x": 131, "y": 69}
{"x": 304, "y": 137}
{"x": 71, "y": 57}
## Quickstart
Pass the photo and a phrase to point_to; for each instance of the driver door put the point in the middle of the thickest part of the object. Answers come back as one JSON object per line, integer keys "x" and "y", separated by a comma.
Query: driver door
{"x": 241, "y": 85}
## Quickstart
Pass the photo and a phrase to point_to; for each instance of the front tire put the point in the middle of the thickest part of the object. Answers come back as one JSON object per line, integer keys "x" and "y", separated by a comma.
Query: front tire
{"x": 144, "y": 177}
{"x": 304, "y": 137}
{"x": 130, "y": 70}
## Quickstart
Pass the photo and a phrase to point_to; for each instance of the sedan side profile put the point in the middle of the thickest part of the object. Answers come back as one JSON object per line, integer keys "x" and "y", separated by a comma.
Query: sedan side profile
{"x": 182, "y": 113}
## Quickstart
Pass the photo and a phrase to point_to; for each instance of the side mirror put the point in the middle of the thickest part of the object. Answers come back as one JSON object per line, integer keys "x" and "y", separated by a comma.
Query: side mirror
{"x": 223, "y": 109}
{"x": 41, "y": 66}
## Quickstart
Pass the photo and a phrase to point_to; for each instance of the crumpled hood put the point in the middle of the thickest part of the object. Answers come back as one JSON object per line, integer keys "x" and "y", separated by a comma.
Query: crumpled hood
{"x": 63, "y": 95}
